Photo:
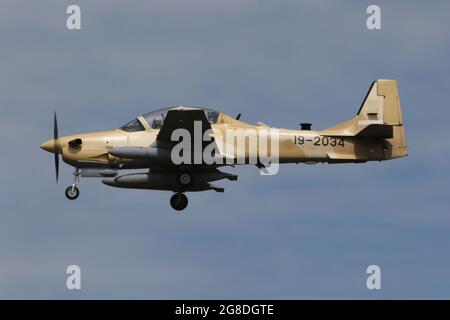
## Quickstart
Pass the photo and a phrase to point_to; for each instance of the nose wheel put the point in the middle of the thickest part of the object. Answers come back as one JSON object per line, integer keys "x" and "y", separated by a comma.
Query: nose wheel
{"x": 72, "y": 192}
{"x": 179, "y": 201}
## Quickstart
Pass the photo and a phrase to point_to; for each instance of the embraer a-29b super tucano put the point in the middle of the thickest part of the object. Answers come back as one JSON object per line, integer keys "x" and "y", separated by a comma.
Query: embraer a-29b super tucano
{"x": 182, "y": 148}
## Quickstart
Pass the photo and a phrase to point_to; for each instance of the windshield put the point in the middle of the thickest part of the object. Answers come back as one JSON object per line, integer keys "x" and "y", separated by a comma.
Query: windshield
{"x": 132, "y": 126}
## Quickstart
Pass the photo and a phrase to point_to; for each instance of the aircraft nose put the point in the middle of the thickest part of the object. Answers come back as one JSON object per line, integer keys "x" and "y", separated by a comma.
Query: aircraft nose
{"x": 49, "y": 146}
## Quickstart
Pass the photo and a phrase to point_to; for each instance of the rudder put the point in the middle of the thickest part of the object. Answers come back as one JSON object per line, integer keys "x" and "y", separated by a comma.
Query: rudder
{"x": 392, "y": 115}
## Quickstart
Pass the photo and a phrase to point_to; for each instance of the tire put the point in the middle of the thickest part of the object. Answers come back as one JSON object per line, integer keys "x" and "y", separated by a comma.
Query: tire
{"x": 184, "y": 179}
{"x": 179, "y": 201}
{"x": 72, "y": 193}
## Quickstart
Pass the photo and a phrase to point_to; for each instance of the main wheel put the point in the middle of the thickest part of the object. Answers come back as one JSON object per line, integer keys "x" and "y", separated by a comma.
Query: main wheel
{"x": 72, "y": 193}
{"x": 184, "y": 179}
{"x": 179, "y": 201}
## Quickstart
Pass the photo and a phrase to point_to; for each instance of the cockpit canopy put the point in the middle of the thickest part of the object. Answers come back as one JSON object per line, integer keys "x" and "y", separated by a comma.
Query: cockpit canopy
{"x": 155, "y": 119}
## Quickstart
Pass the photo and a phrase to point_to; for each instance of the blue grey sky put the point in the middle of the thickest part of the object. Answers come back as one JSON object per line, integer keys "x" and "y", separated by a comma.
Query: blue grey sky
{"x": 308, "y": 232}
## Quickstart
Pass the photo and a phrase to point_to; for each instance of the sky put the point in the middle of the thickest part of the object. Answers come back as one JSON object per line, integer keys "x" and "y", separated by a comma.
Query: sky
{"x": 307, "y": 232}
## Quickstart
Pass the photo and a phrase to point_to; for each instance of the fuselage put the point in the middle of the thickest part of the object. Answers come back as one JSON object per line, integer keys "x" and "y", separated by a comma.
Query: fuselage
{"x": 294, "y": 146}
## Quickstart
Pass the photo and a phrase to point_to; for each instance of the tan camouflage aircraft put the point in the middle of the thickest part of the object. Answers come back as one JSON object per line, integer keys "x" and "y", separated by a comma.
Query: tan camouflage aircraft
{"x": 152, "y": 142}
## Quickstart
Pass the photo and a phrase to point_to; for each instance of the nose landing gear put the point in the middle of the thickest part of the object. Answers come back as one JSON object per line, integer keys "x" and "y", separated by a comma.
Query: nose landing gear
{"x": 72, "y": 192}
{"x": 179, "y": 201}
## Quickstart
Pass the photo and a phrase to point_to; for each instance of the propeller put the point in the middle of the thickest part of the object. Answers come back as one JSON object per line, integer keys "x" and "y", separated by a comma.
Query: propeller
{"x": 56, "y": 145}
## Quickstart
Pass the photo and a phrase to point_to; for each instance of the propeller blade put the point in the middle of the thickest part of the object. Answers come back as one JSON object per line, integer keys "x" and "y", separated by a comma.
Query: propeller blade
{"x": 56, "y": 145}
{"x": 55, "y": 126}
{"x": 56, "y": 166}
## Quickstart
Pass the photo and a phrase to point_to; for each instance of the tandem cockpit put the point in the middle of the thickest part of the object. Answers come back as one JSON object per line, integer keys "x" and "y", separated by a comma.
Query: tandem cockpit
{"x": 155, "y": 119}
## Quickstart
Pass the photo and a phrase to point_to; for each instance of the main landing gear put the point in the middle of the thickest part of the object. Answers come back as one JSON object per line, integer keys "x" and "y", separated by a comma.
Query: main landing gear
{"x": 72, "y": 192}
{"x": 184, "y": 179}
{"x": 179, "y": 201}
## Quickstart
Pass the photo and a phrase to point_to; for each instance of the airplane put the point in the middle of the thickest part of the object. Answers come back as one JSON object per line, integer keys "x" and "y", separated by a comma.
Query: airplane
{"x": 376, "y": 133}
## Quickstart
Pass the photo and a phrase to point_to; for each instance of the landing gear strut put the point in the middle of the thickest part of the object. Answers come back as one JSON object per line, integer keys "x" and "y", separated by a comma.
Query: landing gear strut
{"x": 179, "y": 201}
{"x": 72, "y": 192}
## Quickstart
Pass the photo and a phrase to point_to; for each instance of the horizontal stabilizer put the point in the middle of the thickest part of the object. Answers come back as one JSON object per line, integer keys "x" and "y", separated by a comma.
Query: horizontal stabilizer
{"x": 371, "y": 131}
{"x": 377, "y": 131}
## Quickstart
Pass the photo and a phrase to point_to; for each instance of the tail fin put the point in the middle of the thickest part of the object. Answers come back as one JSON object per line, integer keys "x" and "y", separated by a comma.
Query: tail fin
{"x": 379, "y": 117}
{"x": 382, "y": 104}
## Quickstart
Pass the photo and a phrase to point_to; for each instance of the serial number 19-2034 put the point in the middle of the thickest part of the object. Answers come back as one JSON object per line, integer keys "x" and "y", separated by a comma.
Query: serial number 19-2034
{"x": 320, "y": 141}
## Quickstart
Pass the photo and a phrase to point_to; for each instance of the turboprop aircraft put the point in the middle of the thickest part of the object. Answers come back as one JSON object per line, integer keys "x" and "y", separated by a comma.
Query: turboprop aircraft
{"x": 182, "y": 148}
